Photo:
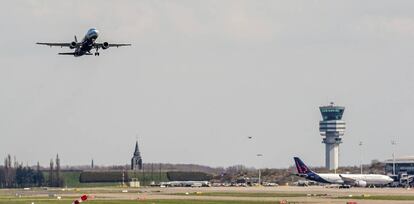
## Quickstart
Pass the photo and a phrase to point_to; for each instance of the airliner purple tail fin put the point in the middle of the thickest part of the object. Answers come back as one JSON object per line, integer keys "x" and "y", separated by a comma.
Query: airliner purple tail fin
{"x": 301, "y": 167}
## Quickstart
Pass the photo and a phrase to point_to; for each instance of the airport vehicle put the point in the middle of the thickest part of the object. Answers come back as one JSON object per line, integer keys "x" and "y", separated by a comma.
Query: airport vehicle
{"x": 345, "y": 180}
{"x": 86, "y": 45}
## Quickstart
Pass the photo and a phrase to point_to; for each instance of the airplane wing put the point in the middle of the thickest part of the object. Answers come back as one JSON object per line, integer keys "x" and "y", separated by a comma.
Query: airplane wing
{"x": 347, "y": 180}
{"x": 353, "y": 182}
{"x": 71, "y": 44}
{"x": 55, "y": 44}
{"x": 107, "y": 45}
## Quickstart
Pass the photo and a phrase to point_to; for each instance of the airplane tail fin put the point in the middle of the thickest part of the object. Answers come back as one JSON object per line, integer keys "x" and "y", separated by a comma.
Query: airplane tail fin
{"x": 66, "y": 53}
{"x": 301, "y": 167}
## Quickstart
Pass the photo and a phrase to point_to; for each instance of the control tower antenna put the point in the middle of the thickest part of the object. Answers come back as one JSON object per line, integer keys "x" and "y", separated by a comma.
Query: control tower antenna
{"x": 332, "y": 128}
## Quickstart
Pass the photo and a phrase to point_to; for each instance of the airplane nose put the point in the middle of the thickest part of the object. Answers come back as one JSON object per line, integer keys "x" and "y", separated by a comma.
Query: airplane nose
{"x": 94, "y": 34}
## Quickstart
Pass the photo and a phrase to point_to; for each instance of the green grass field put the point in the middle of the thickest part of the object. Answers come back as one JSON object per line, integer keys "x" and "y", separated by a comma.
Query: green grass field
{"x": 247, "y": 194}
{"x": 380, "y": 197}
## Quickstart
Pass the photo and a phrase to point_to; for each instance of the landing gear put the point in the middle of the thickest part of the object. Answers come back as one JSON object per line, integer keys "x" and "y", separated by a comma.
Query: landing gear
{"x": 344, "y": 186}
{"x": 96, "y": 52}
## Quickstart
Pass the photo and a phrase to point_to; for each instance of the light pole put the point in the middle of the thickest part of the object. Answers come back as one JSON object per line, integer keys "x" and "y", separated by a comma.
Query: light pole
{"x": 393, "y": 143}
{"x": 123, "y": 177}
{"x": 260, "y": 173}
{"x": 360, "y": 146}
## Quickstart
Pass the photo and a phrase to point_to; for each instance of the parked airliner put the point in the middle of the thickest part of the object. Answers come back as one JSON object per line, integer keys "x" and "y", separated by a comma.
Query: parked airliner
{"x": 86, "y": 45}
{"x": 360, "y": 180}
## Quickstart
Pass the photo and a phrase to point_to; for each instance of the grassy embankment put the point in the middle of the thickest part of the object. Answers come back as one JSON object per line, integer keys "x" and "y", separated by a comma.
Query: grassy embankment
{"x": 71, "y": 179}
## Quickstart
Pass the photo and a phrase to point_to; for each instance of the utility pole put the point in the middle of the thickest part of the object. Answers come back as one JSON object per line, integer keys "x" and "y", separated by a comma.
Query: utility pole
{"x": 360, "y": 145}
{"x": 393, "y": 143}
{"x": 152, "y": 172}
{"x": 160, "y": 174}
{"x": 123, "y": 177}
{"x": 260, "y": 173}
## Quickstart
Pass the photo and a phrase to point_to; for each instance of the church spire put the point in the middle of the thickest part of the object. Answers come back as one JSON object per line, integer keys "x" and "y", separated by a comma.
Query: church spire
{"x": 136, "y": 152}
{"x": 136, "y": 161}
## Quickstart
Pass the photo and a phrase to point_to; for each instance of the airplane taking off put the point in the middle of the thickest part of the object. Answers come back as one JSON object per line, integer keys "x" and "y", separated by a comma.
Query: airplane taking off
{"x": 86, "y": 45}
{"x": 346, "y": 180}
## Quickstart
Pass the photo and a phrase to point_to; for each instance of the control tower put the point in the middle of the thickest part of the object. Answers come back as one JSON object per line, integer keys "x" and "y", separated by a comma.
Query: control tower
{"x": 332, "y": 128}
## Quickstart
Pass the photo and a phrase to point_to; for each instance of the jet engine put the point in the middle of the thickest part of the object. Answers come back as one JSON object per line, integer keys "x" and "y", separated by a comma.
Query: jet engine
{"x": 361, "y": 183}
{"x": 105, "y": 45}
{"x": 72, "y": 45}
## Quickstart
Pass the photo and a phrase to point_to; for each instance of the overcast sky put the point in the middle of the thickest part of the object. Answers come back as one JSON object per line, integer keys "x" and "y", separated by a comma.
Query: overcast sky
{"x": 202, "y": 76}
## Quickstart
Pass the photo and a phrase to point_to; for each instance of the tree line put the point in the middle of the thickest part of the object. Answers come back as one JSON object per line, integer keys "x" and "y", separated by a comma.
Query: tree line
{"x": 14, "y": 175}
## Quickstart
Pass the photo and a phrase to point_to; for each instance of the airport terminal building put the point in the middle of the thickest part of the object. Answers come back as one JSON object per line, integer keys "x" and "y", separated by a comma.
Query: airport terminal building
{"x": 402, "y": 165}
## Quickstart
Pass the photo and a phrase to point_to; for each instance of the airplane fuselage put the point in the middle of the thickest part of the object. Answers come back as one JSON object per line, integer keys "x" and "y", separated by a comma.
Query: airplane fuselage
{"x": 87, "y": 43}
{"x": 370, "y": 179}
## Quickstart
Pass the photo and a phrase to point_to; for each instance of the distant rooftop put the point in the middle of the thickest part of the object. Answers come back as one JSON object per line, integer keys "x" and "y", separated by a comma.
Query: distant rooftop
{"x": 405, "y": 159}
